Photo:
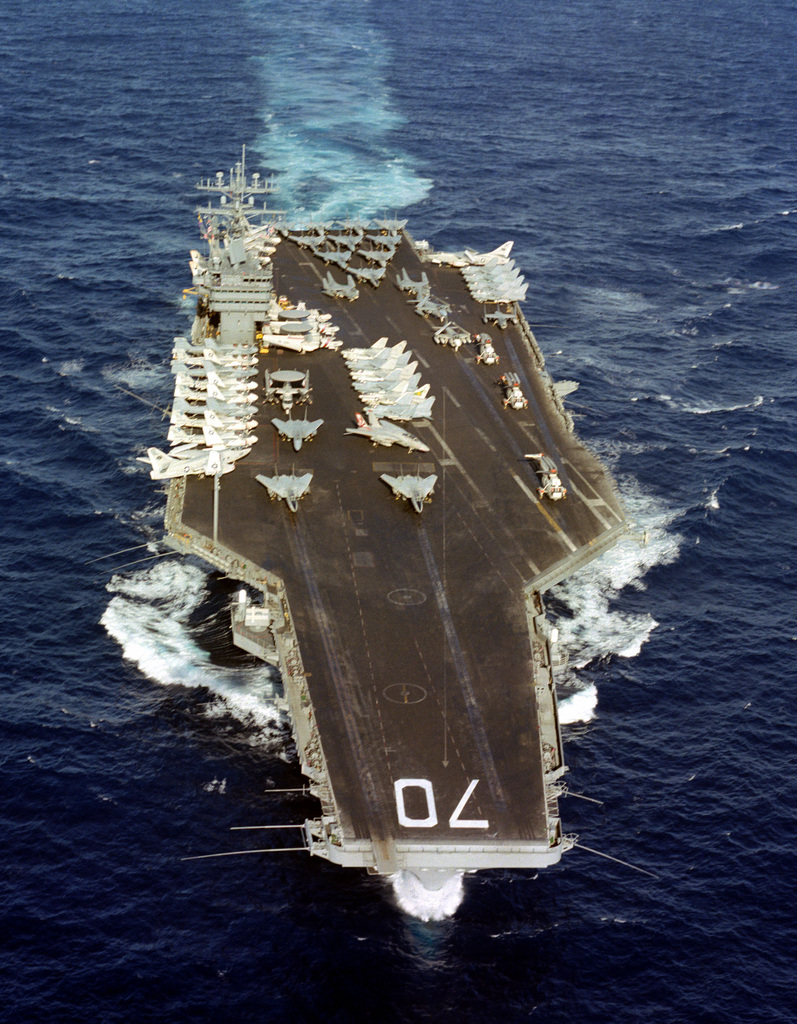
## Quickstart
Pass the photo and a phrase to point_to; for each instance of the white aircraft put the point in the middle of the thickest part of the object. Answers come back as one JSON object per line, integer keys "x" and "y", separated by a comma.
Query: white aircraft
{"x": 232, "y": 394}
{"x": 469, "y": 258}
{"x": 289, "y": 488}
{"x": 297, "y": 431}
{"x": 228, "y": 423}
{"x": 187, "y": 462}
{"x": 395, "y": 396}
{"x": 416, "y": 489}
{"x": 382, "y": 373}
{"x": 230, "y": 361}
{"x": 226, "y": 440}
{"x": 394, "y": 381}
{"x": 384, "y": 433}
{"x": 549, "y": 476}
{"x": 405, "y": 410}
{"x": 378, "y": 350}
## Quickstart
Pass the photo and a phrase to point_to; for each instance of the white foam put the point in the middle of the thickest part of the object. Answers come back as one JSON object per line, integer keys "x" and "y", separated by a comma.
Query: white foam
{"x": 427, "y": 904}
{"x": 579, "y": 707}
{"x": 149, "y": 617}
{"x": 596, "y": 628}
{"x": 329, "y": 123}
{"x": 704, "y": 408}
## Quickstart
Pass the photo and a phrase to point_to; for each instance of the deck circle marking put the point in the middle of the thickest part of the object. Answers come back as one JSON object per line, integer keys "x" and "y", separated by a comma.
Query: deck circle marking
{"x": 405, "y": 693}
{"x": 406, "y": 597}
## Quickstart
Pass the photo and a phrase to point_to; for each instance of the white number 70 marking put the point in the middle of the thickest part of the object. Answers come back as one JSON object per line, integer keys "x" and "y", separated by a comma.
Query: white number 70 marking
{"x": 431, "y": 811}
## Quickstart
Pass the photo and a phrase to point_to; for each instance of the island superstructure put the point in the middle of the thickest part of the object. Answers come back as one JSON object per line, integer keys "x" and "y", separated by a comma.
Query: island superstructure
{"x": 365, "y": 435}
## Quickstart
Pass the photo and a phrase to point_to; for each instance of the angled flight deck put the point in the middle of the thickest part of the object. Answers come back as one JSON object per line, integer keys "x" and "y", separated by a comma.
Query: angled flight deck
{"x": 410, "y": 634}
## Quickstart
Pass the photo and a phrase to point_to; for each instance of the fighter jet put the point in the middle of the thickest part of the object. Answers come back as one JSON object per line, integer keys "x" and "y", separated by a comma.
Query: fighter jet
{"x": 469, "y": 258}
{"x": 230, "y": 386}
{"x": 451, "y": 334}
{"x": 340, "y": 259}
{"x": 400, "y": 393}
{"x": 401, "y": 378}
{"x": 381, "y": 373}
{"x": 406, "y": 283}
{"x": 384, "y": 433}
{"x": 416, "y": 489}
{"x": 297, "y": 431}
{"x": 188, "y": 461}
{"x": 392, "y": 226}
{"x": 405, "y": 410}
{"x": 346, "y": 241}
{"x": 427, "y": 306}
{"x": 230, "y": 361}
{"x": 226, "y": 440}
{"x": 379, "y": 256}
{"x": 549, "y": 476}
{"x": 229, "y": 423}
{"x": 289, "y": 488}
{"x": 335, "y": 290}
{"x": 372, "y": 275}
{"x": 378, "y": 350}
{"x": 499, "y": 316}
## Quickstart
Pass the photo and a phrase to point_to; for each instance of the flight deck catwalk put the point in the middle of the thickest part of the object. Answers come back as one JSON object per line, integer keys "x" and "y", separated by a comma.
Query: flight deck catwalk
{"x": 394, "y": 576}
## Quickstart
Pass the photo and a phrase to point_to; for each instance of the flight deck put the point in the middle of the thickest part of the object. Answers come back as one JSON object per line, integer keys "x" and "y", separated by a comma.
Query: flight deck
{"x": 410, "y": 635}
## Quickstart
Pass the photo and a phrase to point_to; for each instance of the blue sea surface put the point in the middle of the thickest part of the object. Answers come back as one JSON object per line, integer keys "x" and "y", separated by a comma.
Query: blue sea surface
{"x": 643, "y": 157}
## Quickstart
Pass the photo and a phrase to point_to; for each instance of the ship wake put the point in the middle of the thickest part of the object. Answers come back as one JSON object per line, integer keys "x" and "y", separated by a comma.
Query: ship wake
{"x": 591, "y": 625}
{"x": 150, "y": 617}
{"x": 333, "y": 146}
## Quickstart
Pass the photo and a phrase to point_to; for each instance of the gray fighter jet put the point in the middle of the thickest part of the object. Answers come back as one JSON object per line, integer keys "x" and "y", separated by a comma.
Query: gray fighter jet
{"x": 340, "y": 259}
{"x": 406, "y": 283}
{"x": 288, "y": 487}
{"x": 336, "y": 290}
{"x": 427, "y": 306}
{"x": 381, "y": 257}
{"x": 371, "y": 275}
{"x": 416, "y": 489}
{"x": 384, "y": 433}
{"x": 297, "y": 431}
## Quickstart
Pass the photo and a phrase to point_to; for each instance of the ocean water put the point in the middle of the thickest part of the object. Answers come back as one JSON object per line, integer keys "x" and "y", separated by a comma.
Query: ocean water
{"x": 643, "y": 157}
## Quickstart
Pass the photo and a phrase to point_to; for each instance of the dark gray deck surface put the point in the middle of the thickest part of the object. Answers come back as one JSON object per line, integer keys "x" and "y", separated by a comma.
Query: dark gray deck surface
{"x": 413, "y": 627}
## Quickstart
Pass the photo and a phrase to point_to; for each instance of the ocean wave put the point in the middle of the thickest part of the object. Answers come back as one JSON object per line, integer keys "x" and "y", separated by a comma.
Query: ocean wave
{"x": 594, "y": 625}
{"x": 149, "y": 617}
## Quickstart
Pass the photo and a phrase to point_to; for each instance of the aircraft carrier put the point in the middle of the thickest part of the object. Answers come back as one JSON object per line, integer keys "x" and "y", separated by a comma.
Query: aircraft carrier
{"x": 411, "y": 487}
